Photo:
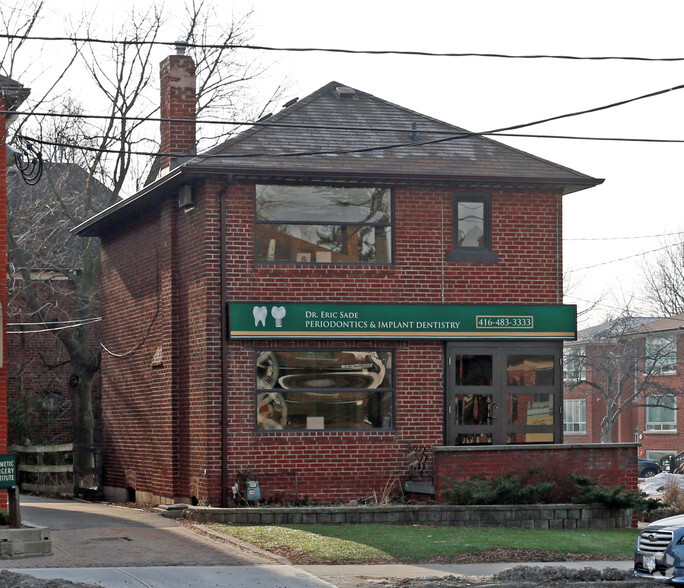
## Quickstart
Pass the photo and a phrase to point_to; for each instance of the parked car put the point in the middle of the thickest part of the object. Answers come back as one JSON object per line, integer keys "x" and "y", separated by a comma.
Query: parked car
{"x": 648, "y": 468}
{"x": 660, "y": 551}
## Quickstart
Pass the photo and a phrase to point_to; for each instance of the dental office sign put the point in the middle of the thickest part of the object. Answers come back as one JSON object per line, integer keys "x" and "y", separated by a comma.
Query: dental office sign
{"x": 269, "y": 320}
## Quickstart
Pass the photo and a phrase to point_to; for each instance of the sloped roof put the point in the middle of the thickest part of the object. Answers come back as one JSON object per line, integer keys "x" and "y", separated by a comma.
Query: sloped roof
{"x": 340, "y": 134}
{"x": 614, "y": 328}
{"x": 672, "y": 323}
{"x": 629, "y": 326}
{"x": 347, "y": 132}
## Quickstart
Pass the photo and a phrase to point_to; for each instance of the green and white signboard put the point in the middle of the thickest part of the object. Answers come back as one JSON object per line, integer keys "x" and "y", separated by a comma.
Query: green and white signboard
{"x": 275, "y": 320}
{"x": 8, "y": 470}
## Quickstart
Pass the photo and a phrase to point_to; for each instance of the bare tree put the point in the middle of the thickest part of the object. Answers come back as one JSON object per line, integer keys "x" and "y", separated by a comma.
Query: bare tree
{"x": 663, "y": 279}
{"x": 621, "y": 363}
{"x": 122, "y": 77}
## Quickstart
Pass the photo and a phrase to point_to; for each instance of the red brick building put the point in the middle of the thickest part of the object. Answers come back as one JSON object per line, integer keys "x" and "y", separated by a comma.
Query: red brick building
{"x": 646, "y": 354}
{"x": 12, "y": 94}
{"x": 339, "y": 285}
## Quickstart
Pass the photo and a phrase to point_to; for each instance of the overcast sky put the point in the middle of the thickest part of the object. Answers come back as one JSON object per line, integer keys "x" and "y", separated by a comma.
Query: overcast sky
{"x": 641, "y": 199}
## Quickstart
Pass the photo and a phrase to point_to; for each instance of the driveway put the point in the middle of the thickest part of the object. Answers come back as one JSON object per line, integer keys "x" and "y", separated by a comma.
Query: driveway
{"x": 101, "y": 535}
{"x": 119, "y": 547}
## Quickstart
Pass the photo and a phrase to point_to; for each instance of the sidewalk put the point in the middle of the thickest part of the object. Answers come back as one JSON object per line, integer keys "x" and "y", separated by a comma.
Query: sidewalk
{"x": 281, "y": 575}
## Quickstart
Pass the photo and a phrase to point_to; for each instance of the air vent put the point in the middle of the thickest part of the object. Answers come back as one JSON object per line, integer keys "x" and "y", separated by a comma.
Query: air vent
{"x": 345, "y": 92}
{"x": 290, "y": 102}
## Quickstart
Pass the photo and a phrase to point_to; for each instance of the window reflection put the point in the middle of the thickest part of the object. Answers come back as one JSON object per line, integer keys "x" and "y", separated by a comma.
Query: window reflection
{"x": 530, "y": 370}
{"x": 474, "y": 439}
{"x": 474, "y": 409}
{"x": 470, "y": 224}
{"x": 520, "y": 438}
{"x": 324, "y": 390}
{"x": 530, "y": 409}
{"x": 473, "y": 370}
{"x": 323, "y": 224}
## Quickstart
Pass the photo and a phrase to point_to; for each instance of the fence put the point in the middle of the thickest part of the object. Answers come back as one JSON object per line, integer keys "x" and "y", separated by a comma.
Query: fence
{"x": 49, "y": 469}
{"x": 677, "y": 463}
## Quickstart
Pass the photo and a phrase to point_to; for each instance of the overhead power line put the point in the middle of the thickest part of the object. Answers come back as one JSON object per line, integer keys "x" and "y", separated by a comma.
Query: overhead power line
{"x": 579, "y": 269}
{"x": 338, "y": 49}
{"x": 457, "y": 136}
{"x": 624, "y": 238}
{"x": 503, "y": 131}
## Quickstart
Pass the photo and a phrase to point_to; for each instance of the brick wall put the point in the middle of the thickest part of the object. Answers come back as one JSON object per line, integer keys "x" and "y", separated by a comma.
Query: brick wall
{"x": 612, "y": 465}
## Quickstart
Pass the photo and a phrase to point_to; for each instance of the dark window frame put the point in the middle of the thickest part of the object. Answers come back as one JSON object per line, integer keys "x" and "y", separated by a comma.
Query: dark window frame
{"x": 380, "y": 390}
{"x": 391, "y": 225}
{"x": 482, "y": 254}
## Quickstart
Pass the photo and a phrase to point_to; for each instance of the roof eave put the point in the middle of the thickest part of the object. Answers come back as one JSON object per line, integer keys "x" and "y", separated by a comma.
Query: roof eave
{"x": 145, "y": 198}
{"x": 141, "y": 200}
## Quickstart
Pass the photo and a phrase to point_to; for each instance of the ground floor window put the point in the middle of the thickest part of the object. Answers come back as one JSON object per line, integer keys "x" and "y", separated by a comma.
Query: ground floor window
{"x": 575, "y": 415}
{"x": 661, "y": 413}
{"x": 324, "y": 389}
{"x": 662, "y": 456}
{"x": 502, "y": 393}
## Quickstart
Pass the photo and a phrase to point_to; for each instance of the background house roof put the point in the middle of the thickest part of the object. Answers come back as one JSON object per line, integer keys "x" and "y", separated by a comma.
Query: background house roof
{"x": 40, "y": 216}
{"x": 371, "y": 141}
{"x": 628, "y": 326}
{"x": 13, "y": 92}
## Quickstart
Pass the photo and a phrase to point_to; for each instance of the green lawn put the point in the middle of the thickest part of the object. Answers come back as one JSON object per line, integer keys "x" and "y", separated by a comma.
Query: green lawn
{"x": 355, "y": 543}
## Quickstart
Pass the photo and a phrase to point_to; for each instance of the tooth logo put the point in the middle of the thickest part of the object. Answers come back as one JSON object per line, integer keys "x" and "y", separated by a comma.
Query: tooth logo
{"x": 260, "y": 313}
{"x": 278, "y": 313}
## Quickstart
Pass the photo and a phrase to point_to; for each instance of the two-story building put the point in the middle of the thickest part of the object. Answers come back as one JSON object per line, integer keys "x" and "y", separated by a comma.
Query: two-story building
{"x": 311, "y": 302}
{"x": 630, "y": 372}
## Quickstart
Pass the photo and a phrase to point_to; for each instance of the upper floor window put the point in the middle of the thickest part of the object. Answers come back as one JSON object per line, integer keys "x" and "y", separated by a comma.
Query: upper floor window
{"x": 472, "y": 228}
{"x": 661, "y": 412}
{"x": 574, "y": 365}
{"x": 575, "y": 415}
{"x": 323, "y": 224}
{"x": 661, "y": 355}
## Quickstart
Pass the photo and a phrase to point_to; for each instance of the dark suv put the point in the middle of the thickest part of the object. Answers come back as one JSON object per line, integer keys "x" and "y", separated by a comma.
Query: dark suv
{"x": 660, "y": 551}
{"x": 648, "y": 468}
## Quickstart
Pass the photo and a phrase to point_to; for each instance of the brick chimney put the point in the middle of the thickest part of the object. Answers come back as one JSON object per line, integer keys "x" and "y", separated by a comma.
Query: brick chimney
{"x": 178, "y": 101}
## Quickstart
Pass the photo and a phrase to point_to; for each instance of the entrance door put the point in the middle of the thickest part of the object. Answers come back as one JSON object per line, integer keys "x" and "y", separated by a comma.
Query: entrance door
{"x": 503, "y": 393}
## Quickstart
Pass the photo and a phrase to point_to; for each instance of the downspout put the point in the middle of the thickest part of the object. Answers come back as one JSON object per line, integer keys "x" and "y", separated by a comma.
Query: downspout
{"x": 224, "y": 343}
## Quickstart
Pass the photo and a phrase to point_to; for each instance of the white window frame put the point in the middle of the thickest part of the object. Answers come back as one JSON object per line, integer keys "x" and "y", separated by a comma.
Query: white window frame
{"x": 653, "y": 425}
{"x": 574, "y": 416}
{"x": 661, "y": 355}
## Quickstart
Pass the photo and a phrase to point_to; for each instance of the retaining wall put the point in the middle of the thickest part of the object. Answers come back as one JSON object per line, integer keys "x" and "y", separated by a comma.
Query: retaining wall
{"x": 534, "y": 516}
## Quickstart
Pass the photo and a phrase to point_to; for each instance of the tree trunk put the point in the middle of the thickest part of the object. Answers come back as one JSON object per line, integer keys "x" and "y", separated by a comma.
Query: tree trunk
{"x": 81, "y": 385}
{"x": 607, "y": 431}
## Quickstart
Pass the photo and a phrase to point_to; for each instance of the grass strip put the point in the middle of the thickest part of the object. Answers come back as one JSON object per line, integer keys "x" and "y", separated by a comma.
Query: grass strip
{"x": 353, "y": 543}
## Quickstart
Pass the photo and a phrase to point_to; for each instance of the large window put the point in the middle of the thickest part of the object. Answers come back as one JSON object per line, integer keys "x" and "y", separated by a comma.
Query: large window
{"x": 323, "y": 224}
{"x": 661, "y": 412}
{"x": 661, "y": 355}
{"x": 575, "y": 415}
{"x": 472, "y": 228}
{"x": 316, "y": 389}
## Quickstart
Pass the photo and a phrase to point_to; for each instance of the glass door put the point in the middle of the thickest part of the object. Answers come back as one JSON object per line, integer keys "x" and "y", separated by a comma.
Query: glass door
{"x": 503, "y": 393}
